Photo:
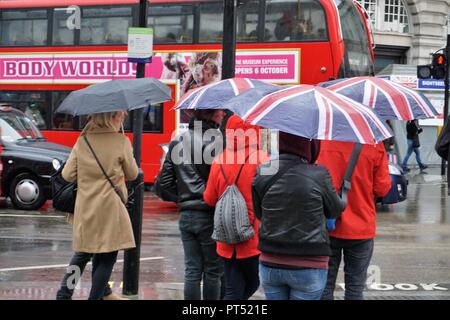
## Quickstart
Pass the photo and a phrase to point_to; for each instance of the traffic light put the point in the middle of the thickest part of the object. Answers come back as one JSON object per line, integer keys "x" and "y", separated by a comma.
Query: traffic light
{"x": 439, "y": 64}
{"x": 435, "y": 70}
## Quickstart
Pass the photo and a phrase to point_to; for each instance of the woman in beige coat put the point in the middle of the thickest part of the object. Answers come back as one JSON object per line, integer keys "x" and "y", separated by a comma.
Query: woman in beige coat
{"x": 101, "y": 225}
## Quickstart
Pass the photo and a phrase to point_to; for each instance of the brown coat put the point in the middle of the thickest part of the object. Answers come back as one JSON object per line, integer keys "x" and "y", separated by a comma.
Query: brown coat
{"x": 100, "y": 221}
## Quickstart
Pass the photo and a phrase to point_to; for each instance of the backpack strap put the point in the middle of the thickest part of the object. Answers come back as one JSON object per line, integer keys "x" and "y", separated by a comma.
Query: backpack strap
{"x": 239, "y": 173}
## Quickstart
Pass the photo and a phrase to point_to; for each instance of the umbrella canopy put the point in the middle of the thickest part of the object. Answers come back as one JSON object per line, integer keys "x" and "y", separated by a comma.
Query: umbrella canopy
{"x": 212, "y": 96}
{"x": 311, "y": 112}
{"x": 115, "y": 95}
{"x": 390, "y": 100}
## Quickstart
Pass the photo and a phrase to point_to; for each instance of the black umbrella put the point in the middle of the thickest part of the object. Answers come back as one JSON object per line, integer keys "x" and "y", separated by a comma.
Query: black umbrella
{"x": 115, "y": 95}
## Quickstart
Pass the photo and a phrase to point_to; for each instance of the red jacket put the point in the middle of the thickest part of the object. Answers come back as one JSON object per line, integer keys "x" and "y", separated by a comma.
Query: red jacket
{"x": 370, "y": 178}
{"x": 216, "y": 186}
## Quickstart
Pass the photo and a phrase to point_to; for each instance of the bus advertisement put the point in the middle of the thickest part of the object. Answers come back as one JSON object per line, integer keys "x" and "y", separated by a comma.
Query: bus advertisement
{"x": 282, "y": 42}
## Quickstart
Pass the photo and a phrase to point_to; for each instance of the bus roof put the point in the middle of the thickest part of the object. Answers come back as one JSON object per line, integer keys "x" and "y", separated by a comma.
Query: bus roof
{"x": 60, "y": 3}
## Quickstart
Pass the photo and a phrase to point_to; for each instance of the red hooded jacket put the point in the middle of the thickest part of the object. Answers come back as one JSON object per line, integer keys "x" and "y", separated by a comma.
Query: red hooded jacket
{"x": 237, "y": 152}
{"x": 370, "y": 178}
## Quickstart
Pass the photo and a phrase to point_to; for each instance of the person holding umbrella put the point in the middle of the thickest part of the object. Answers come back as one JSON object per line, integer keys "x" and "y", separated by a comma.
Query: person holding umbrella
{"x": 293, "y": 206}
{"x": 354, "y": 233}
{"x": 184, "y": 176}
{"x": 101, "y": 224}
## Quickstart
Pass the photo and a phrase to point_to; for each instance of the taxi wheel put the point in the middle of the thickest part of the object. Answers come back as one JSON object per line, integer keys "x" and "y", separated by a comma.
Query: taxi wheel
{"x": 26, "y": 192}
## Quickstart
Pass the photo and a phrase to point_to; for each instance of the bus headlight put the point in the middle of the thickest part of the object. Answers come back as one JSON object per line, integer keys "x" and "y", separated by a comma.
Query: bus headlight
{"x": 56, "y": 164}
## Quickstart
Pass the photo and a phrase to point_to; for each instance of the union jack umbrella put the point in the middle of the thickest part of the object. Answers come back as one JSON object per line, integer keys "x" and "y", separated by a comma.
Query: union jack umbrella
{"x": 390, "y": 100}
{"x": 212, "y": 96}
{"x": 311, "y": 112}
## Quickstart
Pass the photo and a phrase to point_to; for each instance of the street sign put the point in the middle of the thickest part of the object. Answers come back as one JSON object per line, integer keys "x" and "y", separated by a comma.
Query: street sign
{"x": 140, "y": 45}
{"x": 430, "y": 84}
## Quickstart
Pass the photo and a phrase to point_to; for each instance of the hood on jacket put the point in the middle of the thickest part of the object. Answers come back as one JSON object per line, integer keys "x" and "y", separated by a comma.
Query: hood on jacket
{"x": 308, "y": 149}
{"x": 241, "y": 134}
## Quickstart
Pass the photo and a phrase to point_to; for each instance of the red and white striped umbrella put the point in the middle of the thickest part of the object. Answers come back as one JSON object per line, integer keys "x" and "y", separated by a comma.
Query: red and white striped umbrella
{"x": 212, "y": 96}
{"x": 310, "y": 111}
{"x": 389, "y": 99}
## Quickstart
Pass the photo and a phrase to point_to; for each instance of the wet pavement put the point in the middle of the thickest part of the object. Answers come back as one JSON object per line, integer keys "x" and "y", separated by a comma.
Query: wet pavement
{"x": 411, "y": 258}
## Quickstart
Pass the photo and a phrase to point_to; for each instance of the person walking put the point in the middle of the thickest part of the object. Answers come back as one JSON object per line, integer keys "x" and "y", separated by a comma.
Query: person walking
{"x": 354, "y": 233}
{"x": 293, "y": 206}
{"x": 237, "y": 164}
{"x": 183, "y": 176}
{"x": 413, "y": 130}
{"x": 101, "y": 224}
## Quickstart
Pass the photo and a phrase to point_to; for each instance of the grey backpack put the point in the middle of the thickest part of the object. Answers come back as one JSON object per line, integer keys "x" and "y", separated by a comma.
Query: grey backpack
{"x": 231, "y": 222}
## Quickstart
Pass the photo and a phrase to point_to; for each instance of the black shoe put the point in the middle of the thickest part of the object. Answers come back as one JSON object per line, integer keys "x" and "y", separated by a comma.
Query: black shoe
{"x": 423, "y": 167}
{"x": 405, "y": 169}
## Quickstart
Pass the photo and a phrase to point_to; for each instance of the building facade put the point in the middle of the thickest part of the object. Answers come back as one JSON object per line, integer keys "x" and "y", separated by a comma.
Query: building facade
{"x": 407, "y": 31}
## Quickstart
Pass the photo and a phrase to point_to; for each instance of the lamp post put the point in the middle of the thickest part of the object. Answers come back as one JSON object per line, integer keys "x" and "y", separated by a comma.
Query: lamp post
{"x": 132, "y": 256}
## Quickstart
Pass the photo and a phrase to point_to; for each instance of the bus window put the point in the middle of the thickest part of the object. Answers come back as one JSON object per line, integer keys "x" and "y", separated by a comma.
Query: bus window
{"x": 211, "y": 22}
{"x": 62, "y": 35}
{"x": 23, "y": 27}
{"x": 295, "y": 20}
{"x": 61, "y": 121}
{"x": 247, "y": 21}
{"x": 32, "y": 103}
{"x": 172, "y": 24}
{"x": 357, "y": 58}
{"x": 107, "y": 25}
{"x": 153, "y": 119}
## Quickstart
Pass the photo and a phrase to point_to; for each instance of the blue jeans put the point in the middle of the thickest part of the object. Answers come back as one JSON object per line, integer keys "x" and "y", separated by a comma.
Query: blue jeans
{"x": 357, "y": 256}
{"x": 200, "y": 256}
{"x": 292, "y": 284}
{"x": 409, "y": 152}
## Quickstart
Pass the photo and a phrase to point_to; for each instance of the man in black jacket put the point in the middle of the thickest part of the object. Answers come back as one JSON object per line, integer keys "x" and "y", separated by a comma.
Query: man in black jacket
{"x": 413, "y": 130}
{"x": 183, "y": 177}
{"x": 293, "y": 206}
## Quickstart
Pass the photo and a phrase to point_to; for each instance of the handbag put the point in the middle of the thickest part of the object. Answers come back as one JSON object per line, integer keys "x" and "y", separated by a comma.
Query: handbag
{"x": 416, "y": 142}
{"x": 64, "y": 193}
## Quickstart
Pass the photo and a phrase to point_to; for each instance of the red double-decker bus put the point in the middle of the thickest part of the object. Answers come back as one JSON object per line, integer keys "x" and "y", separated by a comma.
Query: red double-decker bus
{"x": 49, "y": 48}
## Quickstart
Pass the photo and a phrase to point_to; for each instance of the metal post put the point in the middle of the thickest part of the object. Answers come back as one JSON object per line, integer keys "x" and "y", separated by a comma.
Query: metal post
{"x": 228, "y": 48}
{"x": 132, "y": 256}
{"x": 229, "y": 39}
{"x": 446, "y": 82}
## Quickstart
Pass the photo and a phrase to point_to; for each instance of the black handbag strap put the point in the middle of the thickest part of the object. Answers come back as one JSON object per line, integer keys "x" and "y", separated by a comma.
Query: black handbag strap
{"x": 101, "y": 167}
{"x": 346, "y": 182}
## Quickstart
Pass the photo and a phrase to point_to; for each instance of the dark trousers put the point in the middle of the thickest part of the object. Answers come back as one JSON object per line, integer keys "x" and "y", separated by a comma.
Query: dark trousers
{"x": 242, "y": 277}
{"x": 357, "y": 256}
{"x": 200, "y": 256}
{"x": 73, "y": 274}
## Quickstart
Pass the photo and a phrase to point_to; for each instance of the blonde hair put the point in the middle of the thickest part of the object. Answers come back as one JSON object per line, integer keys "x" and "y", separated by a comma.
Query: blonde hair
{"x": 101, "y": 120}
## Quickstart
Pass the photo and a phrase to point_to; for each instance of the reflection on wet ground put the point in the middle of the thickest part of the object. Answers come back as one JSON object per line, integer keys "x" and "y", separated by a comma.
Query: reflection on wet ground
{"x": 411, "y": 258}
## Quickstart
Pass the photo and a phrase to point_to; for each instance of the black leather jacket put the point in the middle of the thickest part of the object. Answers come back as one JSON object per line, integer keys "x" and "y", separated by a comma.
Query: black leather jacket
{"x": 180, "y": 179}
{"x": 294, "y": 209}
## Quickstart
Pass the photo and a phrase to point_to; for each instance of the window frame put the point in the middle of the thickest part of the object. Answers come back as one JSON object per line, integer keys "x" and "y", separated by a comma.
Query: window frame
{"x": 193, "y": 13}
{"x": 133, "y": 19}
{"x": 47, "y": 41}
